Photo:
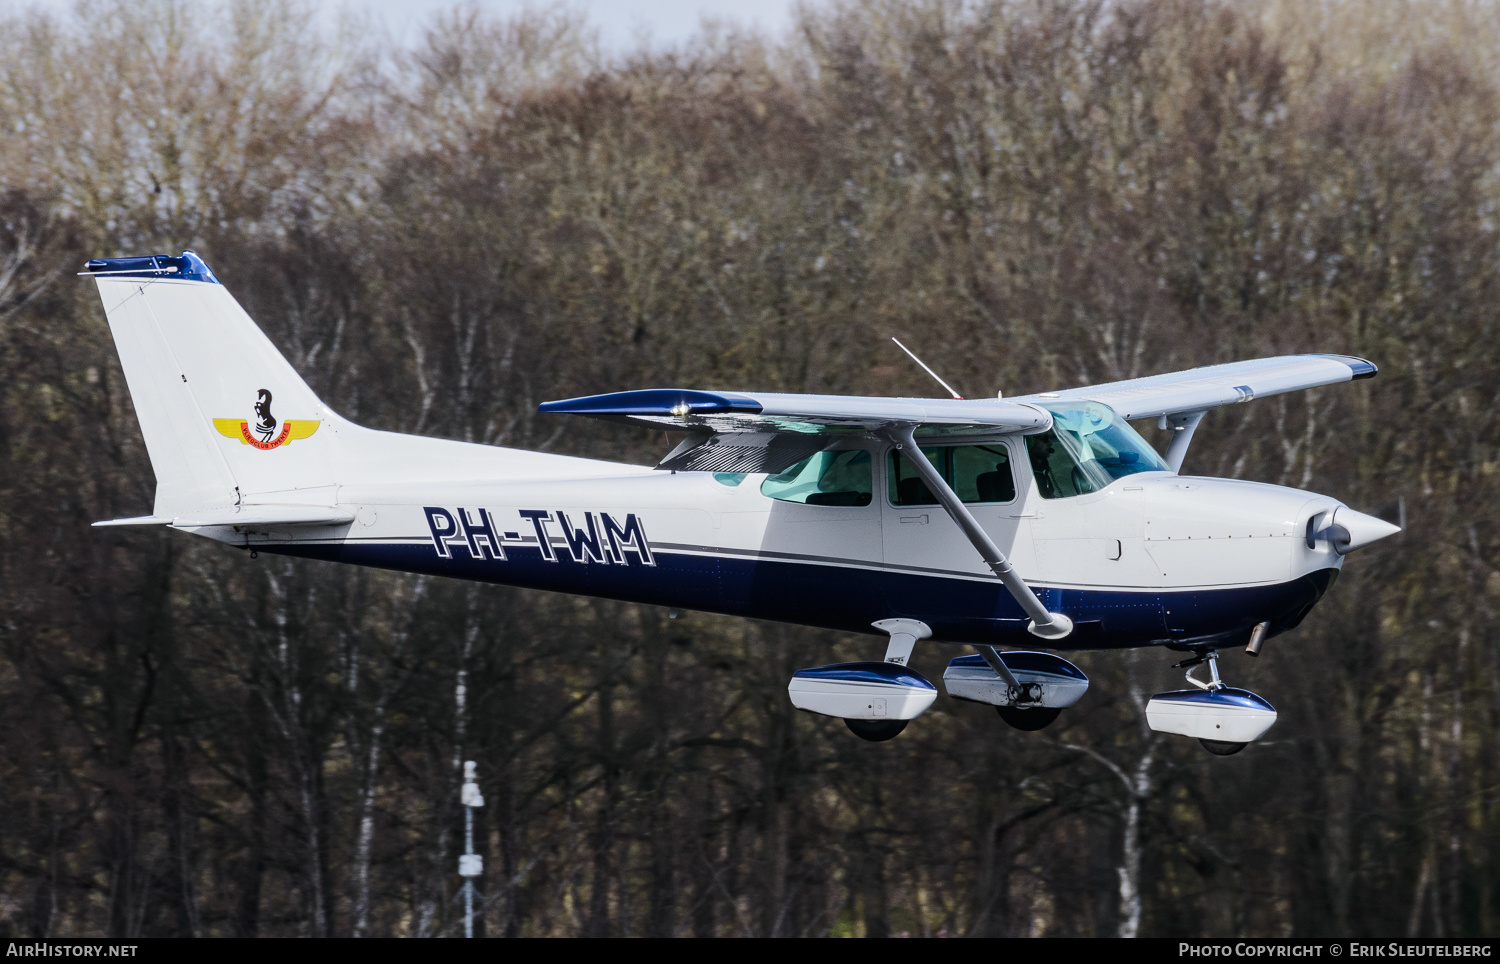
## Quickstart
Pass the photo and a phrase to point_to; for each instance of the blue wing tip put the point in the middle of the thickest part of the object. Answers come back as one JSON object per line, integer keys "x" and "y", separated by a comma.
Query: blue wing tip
{"x": 654, "y": 401}
{"x": 186, "y": 266}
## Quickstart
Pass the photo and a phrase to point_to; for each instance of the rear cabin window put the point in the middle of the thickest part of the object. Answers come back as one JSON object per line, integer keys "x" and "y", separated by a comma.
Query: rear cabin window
{"x": 978, "y": 473}
{"x": 828, "y": 478}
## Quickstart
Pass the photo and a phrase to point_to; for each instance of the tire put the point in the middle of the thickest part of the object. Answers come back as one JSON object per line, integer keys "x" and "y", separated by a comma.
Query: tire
{"x": 1034, "y": 718}
{"x": 876, "y": 731}
{"x": 1222, "y": 747}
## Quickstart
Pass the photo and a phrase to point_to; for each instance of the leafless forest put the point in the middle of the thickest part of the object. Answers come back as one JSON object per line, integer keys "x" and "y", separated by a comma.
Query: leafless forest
{"x": 1033, "y": 194}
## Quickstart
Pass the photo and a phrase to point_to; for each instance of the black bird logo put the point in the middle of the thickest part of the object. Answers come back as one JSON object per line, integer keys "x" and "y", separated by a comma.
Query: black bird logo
{"x": 265, "y": 422}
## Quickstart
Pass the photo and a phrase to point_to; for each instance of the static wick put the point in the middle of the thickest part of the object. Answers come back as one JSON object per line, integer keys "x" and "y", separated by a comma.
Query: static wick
{"x": 927, "y": 370}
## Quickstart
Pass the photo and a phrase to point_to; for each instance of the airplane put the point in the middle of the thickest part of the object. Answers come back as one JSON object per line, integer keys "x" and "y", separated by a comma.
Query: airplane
{"x": 996, "y": 524}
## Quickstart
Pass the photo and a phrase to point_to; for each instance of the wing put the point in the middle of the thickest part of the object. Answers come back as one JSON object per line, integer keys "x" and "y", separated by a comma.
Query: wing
{"x": 768, "y": 432}
{"x": 1202, "y": 388}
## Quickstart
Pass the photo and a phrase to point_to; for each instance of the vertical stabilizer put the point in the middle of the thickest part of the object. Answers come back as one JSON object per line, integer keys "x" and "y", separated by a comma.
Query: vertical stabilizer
{"x": 226, "y": 417}
{"x": 219, "y": 406}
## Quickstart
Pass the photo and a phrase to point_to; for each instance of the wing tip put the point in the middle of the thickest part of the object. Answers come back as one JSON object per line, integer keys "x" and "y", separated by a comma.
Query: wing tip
{"x": 1361, "y": 367}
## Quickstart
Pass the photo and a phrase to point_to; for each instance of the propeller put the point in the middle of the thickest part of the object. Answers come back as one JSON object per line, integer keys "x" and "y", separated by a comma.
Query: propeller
{"x": 1348, "y": 530}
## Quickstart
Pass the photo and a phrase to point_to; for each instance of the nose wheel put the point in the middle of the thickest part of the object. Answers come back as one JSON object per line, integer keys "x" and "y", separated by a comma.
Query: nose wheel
{"x": 1223, "y": 719}
{"x": 1214, "y": 685}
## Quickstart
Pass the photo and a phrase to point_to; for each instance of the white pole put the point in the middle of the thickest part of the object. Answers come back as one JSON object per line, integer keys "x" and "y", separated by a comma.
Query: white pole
{"x": 470, "y": 864}
{"x": 469, "y": 882}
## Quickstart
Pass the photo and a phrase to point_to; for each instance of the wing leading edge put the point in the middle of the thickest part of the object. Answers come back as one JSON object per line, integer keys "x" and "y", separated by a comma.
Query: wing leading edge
{"x": 1198, "y": 389}
{"x": 768, "y": 432}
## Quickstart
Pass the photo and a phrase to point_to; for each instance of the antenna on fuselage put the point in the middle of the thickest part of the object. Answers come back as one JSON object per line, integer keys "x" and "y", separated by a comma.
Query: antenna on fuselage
{"x": 927, "y": 370}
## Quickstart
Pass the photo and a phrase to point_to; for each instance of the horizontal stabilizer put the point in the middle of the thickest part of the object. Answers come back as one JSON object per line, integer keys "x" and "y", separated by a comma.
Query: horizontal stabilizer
{"x": 245, "y": 515}
{"x": 267, "y": 515}
{"x": 139, "y": 520}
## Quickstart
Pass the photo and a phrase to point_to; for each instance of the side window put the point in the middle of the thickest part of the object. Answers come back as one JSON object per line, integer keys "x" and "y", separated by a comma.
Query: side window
{"x": 981, "y": 473}
{"x": 828, "y": 478}
{"x": 978, "y": 473}
{"x": 904, "y": 485}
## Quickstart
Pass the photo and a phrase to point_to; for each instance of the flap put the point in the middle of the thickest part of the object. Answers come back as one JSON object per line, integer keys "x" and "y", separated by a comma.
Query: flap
{"x": 743, "y": 452}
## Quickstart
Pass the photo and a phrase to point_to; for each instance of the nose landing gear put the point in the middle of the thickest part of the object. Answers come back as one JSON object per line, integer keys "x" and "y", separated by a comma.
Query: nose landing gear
{"x": 1224, "y": 719}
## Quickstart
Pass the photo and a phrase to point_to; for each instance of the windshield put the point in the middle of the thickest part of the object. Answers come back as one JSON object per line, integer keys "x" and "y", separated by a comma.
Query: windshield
{"x": 1087, "y": 448}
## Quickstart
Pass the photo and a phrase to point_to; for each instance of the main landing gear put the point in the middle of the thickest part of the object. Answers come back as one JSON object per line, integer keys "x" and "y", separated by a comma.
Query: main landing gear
{"x": 1029, "y": 718}
{"x": 1224, "y": 719}
{"x": 876, "y": 700}
{"x": 1028, "y": 690}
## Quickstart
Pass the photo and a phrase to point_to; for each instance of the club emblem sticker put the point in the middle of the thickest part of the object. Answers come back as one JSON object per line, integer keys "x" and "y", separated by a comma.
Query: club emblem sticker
{"x": 264, "y": 432}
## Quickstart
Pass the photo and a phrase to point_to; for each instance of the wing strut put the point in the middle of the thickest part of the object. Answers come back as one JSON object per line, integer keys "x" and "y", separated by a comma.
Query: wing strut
{"x": 1183, "y": 426}
{"x": 1048, "y": 625}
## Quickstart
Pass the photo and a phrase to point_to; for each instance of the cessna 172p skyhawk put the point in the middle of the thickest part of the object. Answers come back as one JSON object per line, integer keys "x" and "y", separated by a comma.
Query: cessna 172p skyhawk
{"x": 987, "y": 522}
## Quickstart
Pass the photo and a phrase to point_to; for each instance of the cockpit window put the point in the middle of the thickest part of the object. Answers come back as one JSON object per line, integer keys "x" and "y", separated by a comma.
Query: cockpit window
{"x": 1087, "y": 448}
{"x": 828, "y": 478}
{"x": 977, "y": 473}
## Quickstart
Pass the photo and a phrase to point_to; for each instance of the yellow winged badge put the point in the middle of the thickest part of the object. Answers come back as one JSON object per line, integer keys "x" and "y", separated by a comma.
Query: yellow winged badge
{"x": 291, "y": 430}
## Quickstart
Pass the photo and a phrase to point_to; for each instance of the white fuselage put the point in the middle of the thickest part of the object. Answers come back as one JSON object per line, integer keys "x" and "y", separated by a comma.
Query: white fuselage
{"x": 1153, "y": 557}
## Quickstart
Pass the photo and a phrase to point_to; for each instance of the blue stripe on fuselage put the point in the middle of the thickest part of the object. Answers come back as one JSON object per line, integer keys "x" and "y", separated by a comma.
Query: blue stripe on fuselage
{"x": 850, "y": 598}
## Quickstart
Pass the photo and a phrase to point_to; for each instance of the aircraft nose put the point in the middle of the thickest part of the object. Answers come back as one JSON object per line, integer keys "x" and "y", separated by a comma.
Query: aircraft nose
{"x": 1349, "y": 530}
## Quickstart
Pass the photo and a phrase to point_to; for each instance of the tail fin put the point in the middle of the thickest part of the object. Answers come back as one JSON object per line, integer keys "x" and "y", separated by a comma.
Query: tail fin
{"x": 220, "y": 408}
{"x": 225, "y": 416}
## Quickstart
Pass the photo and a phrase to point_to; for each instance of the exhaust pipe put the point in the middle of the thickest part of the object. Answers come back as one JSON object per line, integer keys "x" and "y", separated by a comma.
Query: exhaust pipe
{"x": 1257, "y": 637}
